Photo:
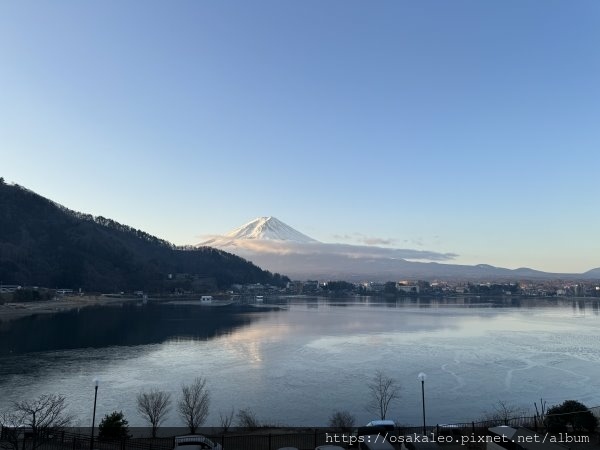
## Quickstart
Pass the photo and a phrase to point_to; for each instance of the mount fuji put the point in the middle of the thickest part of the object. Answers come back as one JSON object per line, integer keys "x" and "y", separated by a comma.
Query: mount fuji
{"x": 261, "y": 228}
{"x": 275, "y": 246}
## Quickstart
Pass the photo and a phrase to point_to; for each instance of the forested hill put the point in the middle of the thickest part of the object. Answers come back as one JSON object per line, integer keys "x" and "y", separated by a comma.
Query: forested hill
{"x": 45, "y": 244}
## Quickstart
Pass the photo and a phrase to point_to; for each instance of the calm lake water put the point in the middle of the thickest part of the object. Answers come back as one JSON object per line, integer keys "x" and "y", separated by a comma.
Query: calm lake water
{"x": 297, "y": 364}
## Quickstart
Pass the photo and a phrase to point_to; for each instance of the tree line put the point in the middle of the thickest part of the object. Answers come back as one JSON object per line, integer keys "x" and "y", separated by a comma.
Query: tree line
{"x": 49, "y": 413}
{"x": 45, "y": 244}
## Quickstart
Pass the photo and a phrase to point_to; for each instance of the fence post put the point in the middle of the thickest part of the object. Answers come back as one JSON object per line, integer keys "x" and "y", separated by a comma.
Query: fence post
{"x": 315, "y": 438}
{"x": 269, "y": 441}
{"x": 223, "y": 440}
{"x": 535, "y": 423}
{"x": 473, "y": 426}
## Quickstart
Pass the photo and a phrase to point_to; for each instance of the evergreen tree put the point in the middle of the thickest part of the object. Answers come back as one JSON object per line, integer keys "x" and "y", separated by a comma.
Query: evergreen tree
{"x": 113, "y": 426}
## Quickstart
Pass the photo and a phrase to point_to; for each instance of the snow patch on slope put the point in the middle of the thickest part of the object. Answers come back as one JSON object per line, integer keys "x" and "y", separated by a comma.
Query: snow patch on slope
{"x": 261, "y": 229}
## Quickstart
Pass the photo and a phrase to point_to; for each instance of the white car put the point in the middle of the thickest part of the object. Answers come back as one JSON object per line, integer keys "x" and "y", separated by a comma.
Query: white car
{"x": 195, "y": 442}
{"x": 383, "y": 424}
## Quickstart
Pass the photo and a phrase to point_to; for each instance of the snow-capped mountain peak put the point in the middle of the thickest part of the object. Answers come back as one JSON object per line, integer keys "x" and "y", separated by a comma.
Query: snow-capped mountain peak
{"x": 262, "y": 229}
{"x": 275, "y": 246}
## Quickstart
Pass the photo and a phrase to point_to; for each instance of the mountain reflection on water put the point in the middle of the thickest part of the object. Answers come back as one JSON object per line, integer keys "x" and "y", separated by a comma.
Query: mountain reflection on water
{"x": 298, "y": 361}
{"x": 137, "y": 324}
{"x": 126, "y": 324}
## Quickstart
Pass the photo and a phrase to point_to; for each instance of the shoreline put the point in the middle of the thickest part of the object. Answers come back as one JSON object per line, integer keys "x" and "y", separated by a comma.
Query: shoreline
{"x": 14, "y": 311}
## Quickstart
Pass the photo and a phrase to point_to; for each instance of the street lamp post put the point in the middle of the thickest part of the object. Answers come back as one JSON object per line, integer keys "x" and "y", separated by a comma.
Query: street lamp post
{"x": 96, "y": 382}
{"x": 422, "y": 378}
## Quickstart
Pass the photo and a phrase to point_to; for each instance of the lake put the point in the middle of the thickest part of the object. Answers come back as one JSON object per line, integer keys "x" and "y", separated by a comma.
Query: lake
{"x": 300, "y": 360}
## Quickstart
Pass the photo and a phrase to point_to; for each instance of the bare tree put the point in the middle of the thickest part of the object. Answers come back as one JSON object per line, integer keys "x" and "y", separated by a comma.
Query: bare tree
{"x": 226, "y": 420}
{"x": 194, "y": 403}
{"x": 47, "y": 412}
{"x": 247, "y": 419}
{"x": 343, "y": 420}
{"x": 10, "y": 423}
{"x": 154, "y": 407}
{"x": 503, "y": 412}
{"x": 383, "y": 391}
{"x": 41, "y": 415}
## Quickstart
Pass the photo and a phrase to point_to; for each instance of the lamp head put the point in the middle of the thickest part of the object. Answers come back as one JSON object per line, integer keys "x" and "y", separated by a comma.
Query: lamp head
{"x": 422, "y": 377}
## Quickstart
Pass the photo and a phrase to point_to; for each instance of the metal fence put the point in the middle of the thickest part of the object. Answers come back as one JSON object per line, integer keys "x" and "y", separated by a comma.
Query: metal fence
{"x": 536, "y": 423}
{"x": 258, "y": 439}
{"x": 237, "y": 440}
{"x": 71, "y": 440}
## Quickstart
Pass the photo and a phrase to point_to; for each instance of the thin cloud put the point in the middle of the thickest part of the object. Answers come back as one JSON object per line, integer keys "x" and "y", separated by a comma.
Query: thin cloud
{"x": 364, "y": 239}
{"x": 208, "y": 237}
{"x": 352, "y": 251}
{"x": 379, "y": 241}
{"x": 417, "y": 241}
{"x": 345, "y": 237}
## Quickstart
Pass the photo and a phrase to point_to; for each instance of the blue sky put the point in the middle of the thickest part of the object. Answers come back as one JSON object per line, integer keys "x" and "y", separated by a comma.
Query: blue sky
{"x": 466, "y": 127}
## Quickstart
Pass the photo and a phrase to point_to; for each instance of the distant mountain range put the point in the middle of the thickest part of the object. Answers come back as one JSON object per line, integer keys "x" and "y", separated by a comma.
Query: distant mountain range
{"x": 274, "y": 245}
{"x": 45, "y": 244}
